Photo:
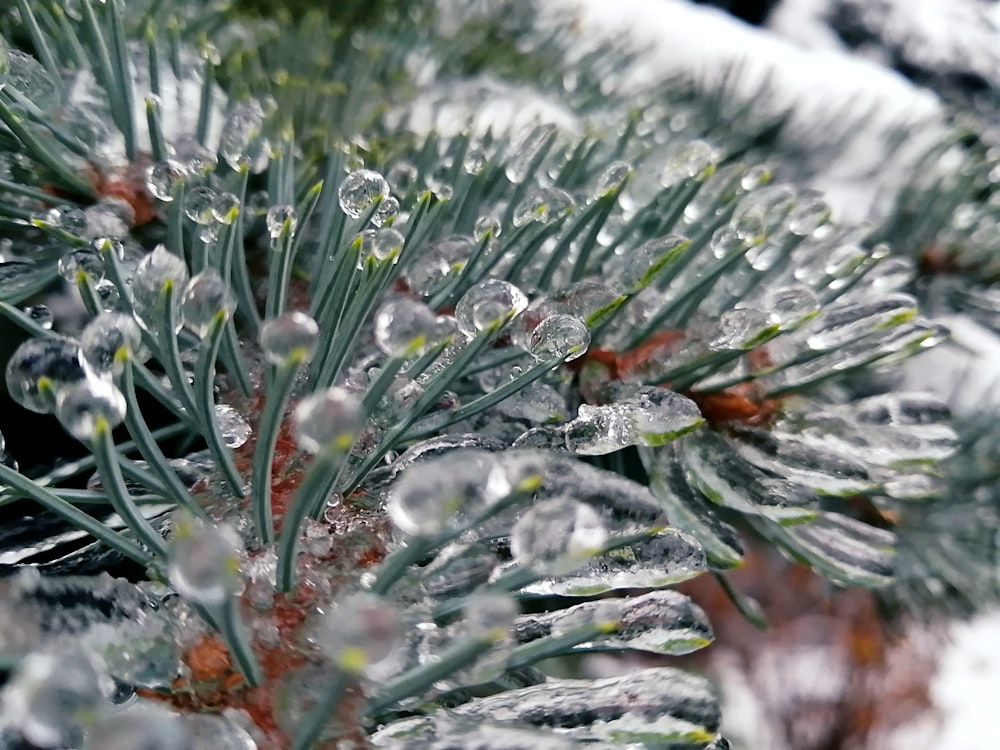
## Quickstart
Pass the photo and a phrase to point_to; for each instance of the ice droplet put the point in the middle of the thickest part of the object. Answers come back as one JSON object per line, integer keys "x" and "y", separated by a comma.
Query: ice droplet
{"x": 242, "y": 144}
{"x": 225, "y": 208}
{"x": 612, "y": 178}
{"x": 399, "y": 322}
{"x": 104, "y": 335}
{"x": 40, "y": 315}
{"x": 638, "y": 267}
{"x": 203, "y": 560}
{"x": 598, "y": 430}
{"x": 206, "y": 295}
{"x": 81, "y": 407}
{"x": 142, "y": 725}
{"x": 810, "y": 213}
{"x": 437, "y": 261}
{"x": 475, "y": 160}
{"x": 164, "y": 176}
{"x": 328, "y": 419}
{"x": 486, "y": 225}
{"x": 558, "y": 535}
{"x": 235, "y": 430}
{"x": 280, "y": 216}
{"x": 198, "y": 204}
{"x": 741, "y": 329}
{"x": 360, "y": 191}
{"x": 563, "y": 336}
{"x": 287, "y": 334}
{"x": 86, "y": 259}
{"x": 386, "y": 212}
{"x": 487, "y": 302}
{"x": 658, "y": 415}
{"x": 152, "y": 273}
{"x": 196, "y": 158}
{"x": 686, "y": 160}
{"x": 380, "y": 245}
{"x": 791, "y": 305}
{"x": 544, "y": 205}
{"x": 527, "y": 151}
{"x": 403, "y": 176}
{"x": 41, "y": 364}
{"x": 361, "y": 633}
{"x": 53, "y": 694}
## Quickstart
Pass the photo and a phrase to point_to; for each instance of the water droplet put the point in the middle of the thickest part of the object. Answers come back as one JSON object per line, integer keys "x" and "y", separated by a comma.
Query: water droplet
{"x": 164, "y": 176}
{"x": 225, "y": 208}
{"x": 40, "y": 315}
{"x": 104, "y": 335}
{"x": 791, "y": 305}
{"x": 280, "y": 216}
{"x": 486, "y": 225}
{"x": 55, "y": 363}
{"x": 152, "y": 273}
{"x": 402, "y": 176}
{"x": 475, "y": 160}
{"x": 809, "y": 214}
{"x": 108, "y": 294}
{"x": 598, "y": 430}
{"x": 563, "y": 336}
{"x": 399, "y": 322}
{"x": 361, "y": 633}
{"x": 52, "y": 694}
{"x": 235, "y": 430}
{"x": 243, "y": 145}
{"x": 386, "y": 212}
{"x": 142, "y": 725}
{"x": 558, "y": 536}
{"x": 198, "y": 204}
{"x": 206, "y": 295}
{"x": 380, "y": 245}
{"x": 360, "y": 191}
{"x": 526, "y": 151}
{"x": 487, "y": 302}
{"x": 694, "y": 159}
{"x": 638, "y": 267}
{"x": 544, "y": 206}
{"x": 288, "y": 334}
{"x": 658, "y": 415}
{"x": 328, "y": 419}
{"x": 755, "y": 177}
{"x": 437, "y": 261}
{"x": 203, "y": 560}
{"x": 612, "y": 178}
{"x": 741, "y": 329}
{"x": 87, "y": 260}
{"x": 82, "y": 406}
{"x": 195, "y": 157}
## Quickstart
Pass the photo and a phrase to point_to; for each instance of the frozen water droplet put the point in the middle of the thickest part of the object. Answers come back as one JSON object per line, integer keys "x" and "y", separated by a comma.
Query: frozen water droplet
{"x": 692, "y": 159}
{"x": 289, "y": 334}
{"x": 437, "y": 261}
{"x": 386, "y": 212}
{"x": 110, "y": 217}
{"x": 487, "y": 302}
{"x": 143, "y": 725}
{"x": 206, "y": 295}
{"x": 235, "y": 430}
{"x": 612, "y": 178}
{"x": 402, "y": 176}
{"x": 891, "y": 274}
{"x": 558, "y": 536}
{"x": 526, "y": 151}
{"x": 475, "y": 160}
{"x": 544, "y": 205}
{"x": 108, "y": 294}
{"x": 195, "y": 157}
{"x": 486, "y": 225}
{"x": 809, "y": 214}
{"x": 203, "y": 560}
{"x": 326, "y": 419}
{"x": 225, "y": 208}
{"x": 658, "y": 415}
{"x": 755, "y": 177}
{"x": 360, "y": 191}
{"x": 399, "y": 322}
{"x": 52, "y": 695}
{"x": 242, "y": 144}
{"x": 639, "y": 267}
{"x": 152, "y": 273}
{"x": 86, "y": 259}
{"x": 280, "y": 216}
{"x": 598, "y": 430}
{"x": 41, "y": 364}
{"x": 380, "y": 245}
{"x": 164, "y": 176}
{"x": 104, "y": 335}
{"x": 361, "y": 633}
{"x": 741, "y": 329}
{"x": 563, "y": 336}
{"x": 198, "y": 203}
{"x": 40, "y": 315}
{"x": 791, "y": 305}
{"x": 82, "y": 406}
{"x": 443, "y": 492}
